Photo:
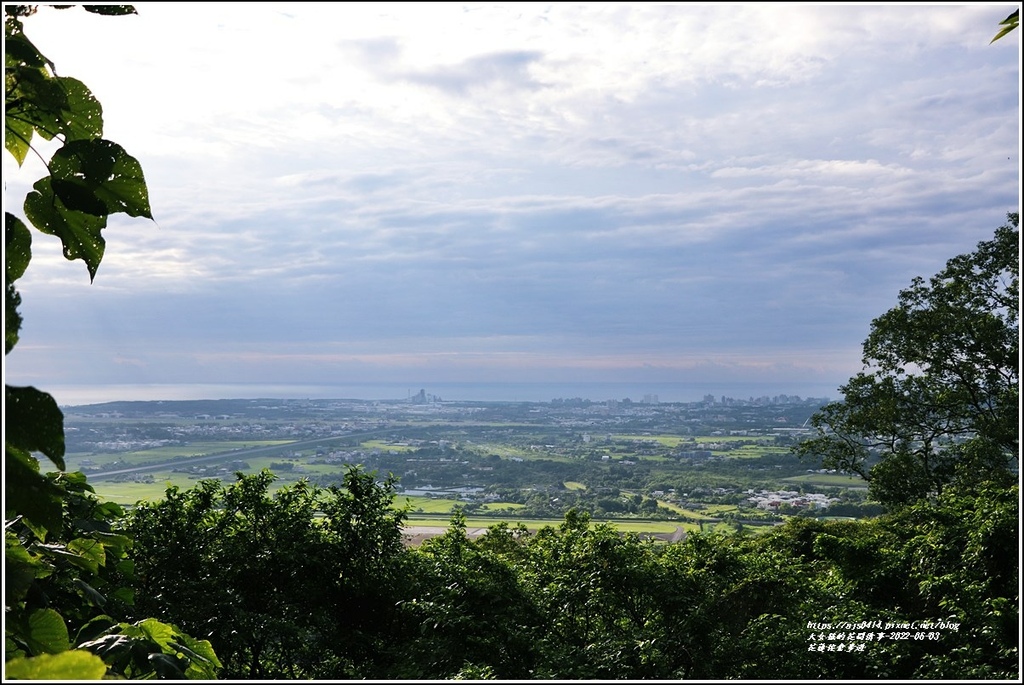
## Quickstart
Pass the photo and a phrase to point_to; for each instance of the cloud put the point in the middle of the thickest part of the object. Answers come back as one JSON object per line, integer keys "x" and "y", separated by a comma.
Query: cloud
{"x": 508, "y": 69}
{"x": 631, "y": 189}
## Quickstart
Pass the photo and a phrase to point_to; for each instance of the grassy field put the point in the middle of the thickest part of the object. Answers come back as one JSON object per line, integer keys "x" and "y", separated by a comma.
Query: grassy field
{"x": 157, "y": 454}
{"x": 701, "y": 443}
{"x": 664, "y": 440}
{"x": 692, "y": 513}
{"x": 502, "y": 506}
{"x": 753, "y": 451}
{"x": 427, "y": 505}
{"x": 436, "y": 505}
{"x": 385, "y": 446}
{"x": 503, "y": 451}
{"x": 127, "y": 494}
{"x": 718, "y": 509}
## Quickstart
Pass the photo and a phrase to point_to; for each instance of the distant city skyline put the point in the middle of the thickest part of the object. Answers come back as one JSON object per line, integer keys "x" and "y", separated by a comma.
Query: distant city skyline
{"x": 640, "y": 393}
{"x": 425, "y": 193}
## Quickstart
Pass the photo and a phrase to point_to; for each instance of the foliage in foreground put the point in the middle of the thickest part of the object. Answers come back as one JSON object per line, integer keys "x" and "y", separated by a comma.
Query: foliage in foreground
{"x": 66, "y": 569}
{"x": 308, "y": 583}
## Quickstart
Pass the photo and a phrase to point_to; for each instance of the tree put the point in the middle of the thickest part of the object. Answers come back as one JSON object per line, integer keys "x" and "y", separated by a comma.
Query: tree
{"x": 301, "y": 583}
{"x": 596, "y": 593}
{"x": 227, "y": 563}
{"x": 938, "y": 400}
{"x": 67, "y": 563}
{"x": 469, "y": 608}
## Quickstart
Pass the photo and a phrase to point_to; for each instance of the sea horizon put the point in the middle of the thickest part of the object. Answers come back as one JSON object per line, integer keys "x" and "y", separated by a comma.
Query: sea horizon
{"x": 661, "y": 392}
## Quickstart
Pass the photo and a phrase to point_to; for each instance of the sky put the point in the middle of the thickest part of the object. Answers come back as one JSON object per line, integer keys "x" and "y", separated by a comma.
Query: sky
{"x": 518, "y": 192}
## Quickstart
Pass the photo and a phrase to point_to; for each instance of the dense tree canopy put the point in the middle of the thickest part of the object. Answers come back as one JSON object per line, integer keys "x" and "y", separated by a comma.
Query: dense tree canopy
{"x": 938, "y": 401}
{"x": 281, "y": 595}
{"x": 276, "y": 581}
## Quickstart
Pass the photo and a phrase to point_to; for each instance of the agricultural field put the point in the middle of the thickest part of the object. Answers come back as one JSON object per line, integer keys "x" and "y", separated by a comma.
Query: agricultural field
{"x": 387, "y": 446}
{"x": 681, "y": 467}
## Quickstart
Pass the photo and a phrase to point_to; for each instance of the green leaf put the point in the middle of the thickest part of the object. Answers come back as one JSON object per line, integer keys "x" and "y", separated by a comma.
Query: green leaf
{"x": 12, "y": 319}
{"x": 78, "y": 197}
{"x": 76, "y": 481}
{"x": 18, "y": 241}
{"x": 71, "y": 665}
{"x": 111, "y": 10}
{"x": 203, "y": 660}
{"x": 17, "y": 137}
{"x": 1009, "y": 24}
{"x": 40, "y": 103}
{"x": 124, "y": 594}
{"x": 46, "y": 632}
{"x": 82, "y": 117}
{"x": 38, "y": 100}
{"x": 106, "y": 510}
{"x": 112, "y": 541}
{"x": 157, "y": 631}
{"x": 79, "y": 232}
{"x": 111, "y": 646}
{"x": 30, "y": 494}
{"x": 167, "y": 666}
{"x": 99, "y": 177}
{"x": 83, "y": 556}
{"x": 1002, "y": 33}
{"x": 20, "y": 569}
{"x": 91, "y": 594}
{"x": 94, "y": 628}
{"x": 89, "y": 549}
{"x": 82, "y": 552}
{"x": 33, "y": 422}
{"x": 19, "y": 50}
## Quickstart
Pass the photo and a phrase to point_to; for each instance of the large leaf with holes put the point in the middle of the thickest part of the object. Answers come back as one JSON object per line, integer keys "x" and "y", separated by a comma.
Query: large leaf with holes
{"x": 98, "y": 177}
{"x": 17, "y": 137}
{"x": 79, "y": 232}
{"x": 52, "y": 106}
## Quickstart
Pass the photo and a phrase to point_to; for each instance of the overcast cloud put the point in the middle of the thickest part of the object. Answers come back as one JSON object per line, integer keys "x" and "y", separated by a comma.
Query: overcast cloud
{"x": 421, "y": 192}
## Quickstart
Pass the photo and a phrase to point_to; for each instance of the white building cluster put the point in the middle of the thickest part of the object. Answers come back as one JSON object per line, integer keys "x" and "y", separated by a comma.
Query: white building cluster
{"x": 771, "y": 501}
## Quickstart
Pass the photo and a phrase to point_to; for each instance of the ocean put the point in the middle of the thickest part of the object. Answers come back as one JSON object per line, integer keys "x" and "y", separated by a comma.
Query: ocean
{"x": 72, "y": 395}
